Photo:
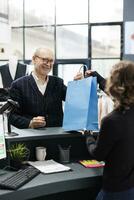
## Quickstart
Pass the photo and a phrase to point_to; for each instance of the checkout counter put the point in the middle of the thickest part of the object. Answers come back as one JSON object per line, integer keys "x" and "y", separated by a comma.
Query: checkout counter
{"x": 80, "y": 182}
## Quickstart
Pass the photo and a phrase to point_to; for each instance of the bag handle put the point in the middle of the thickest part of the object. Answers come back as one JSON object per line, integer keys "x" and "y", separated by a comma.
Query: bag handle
{"x": 84, "y": 68}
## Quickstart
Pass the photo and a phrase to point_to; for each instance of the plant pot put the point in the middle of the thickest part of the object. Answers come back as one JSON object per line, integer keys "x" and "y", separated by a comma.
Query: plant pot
{"x": 15, "y": 164}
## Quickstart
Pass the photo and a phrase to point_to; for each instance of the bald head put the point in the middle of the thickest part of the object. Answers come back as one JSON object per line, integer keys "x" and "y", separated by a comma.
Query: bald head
{"x": 43, "y": 51}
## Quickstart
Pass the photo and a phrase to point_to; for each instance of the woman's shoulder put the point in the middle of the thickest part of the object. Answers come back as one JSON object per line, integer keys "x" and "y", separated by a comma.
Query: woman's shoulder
{"x": 115, "y": 116}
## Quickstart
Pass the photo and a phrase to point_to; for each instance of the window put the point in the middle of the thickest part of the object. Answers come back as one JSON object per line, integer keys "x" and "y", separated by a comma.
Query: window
{"x": 89, "y": 29}
{"x": 38, "y": 37}
{"x": 105, "y": 11}
{"x": 103, "y": 66}
{"x": 17, "y": 43}
{"x": 68, "y": 71}
{"x": 16, "y": 12}
{"x": 71, "y": 11}
{"x": 39, "y": 12}
{"x": 72, "y": 41}
{"x": 105, "y": 41}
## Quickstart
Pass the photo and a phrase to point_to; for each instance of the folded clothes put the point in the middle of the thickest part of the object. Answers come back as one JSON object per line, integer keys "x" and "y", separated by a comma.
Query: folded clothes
{"x": 91, "y": 163}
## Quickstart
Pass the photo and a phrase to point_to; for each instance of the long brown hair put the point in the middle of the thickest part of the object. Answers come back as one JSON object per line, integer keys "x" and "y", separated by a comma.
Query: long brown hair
{"x": 120, "y": 84}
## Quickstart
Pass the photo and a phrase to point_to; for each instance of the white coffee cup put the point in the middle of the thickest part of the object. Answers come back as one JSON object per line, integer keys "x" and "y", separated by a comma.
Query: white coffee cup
{"x": 40, "y": 153}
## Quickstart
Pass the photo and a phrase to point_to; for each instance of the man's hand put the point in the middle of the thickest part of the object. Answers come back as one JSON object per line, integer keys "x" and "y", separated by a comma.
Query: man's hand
{"x": 37, "y": 122}
{"x": 78, "y": 76}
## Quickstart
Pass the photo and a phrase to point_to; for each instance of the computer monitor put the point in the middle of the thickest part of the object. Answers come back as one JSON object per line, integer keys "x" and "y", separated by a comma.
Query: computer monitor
{"x": 2, "y": 143}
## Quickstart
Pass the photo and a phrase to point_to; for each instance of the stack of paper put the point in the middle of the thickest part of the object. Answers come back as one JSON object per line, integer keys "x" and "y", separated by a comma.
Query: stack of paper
{"x": 49, "y": 166}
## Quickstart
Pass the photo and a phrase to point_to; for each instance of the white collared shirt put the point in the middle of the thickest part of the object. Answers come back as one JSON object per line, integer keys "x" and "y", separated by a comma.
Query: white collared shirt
{"x": 41, "y": 86}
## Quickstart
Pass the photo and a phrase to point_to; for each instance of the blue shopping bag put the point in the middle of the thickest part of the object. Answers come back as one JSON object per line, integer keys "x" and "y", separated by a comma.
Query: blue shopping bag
{"x": 81, "y": 105}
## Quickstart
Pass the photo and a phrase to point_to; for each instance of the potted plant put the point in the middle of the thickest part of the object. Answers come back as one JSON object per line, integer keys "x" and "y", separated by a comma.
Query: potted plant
{"x": 18, "y": 153}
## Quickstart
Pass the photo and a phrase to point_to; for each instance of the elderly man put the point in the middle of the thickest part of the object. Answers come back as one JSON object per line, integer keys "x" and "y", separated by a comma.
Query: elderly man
{"x": 39, "y": 95}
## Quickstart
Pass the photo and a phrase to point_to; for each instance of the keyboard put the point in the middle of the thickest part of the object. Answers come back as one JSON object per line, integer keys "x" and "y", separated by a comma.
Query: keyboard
{"x": 19, "y": 178}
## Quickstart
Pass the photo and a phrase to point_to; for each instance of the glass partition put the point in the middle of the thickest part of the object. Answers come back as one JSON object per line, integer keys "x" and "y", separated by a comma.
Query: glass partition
{"x": 105, "y": 11}
{"x": 65, "y": 27}
{"x": 105, "y": 41}
{"x": 72, "y": 41}
{"x": 38, "y": 37}
{"x": 71, "y": 11}
{"x": 4, "y": 11}
{"x": 17, "y": 43}
{"x": 68, "y": 71}
{"x": 39, "y": 12}
{"x": 16, "y": 12}
{"x": 104, "y": 66}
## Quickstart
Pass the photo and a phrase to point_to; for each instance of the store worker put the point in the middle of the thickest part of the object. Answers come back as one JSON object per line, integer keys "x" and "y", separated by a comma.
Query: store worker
{"x": 39, "y": 95}
{"x": 115, "y": 142}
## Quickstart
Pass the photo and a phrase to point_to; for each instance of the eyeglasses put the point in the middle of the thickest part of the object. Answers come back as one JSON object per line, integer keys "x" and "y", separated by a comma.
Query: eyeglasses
{"x": 46, "y": 60}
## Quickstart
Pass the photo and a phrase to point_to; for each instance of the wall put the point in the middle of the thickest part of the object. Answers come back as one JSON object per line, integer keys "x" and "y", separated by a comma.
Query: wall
{"x": 128, "y": 16}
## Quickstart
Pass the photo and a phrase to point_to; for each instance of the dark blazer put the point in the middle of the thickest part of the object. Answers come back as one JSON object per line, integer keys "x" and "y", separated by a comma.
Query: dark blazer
{"x": 32, "y": 103}
{"x": 6, "y": 76}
